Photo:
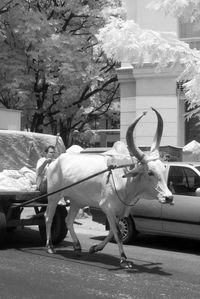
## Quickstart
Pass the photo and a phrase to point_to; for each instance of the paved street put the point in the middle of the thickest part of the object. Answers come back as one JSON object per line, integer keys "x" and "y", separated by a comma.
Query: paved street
{"x": 163, "y": 268}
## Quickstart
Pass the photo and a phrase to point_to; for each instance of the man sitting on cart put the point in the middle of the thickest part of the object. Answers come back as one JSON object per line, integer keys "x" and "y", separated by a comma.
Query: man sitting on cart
{"x": 41, "y": 168}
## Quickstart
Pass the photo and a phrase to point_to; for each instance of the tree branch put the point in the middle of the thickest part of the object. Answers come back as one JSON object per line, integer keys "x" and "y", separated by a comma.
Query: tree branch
{"x": 5, "y": 7}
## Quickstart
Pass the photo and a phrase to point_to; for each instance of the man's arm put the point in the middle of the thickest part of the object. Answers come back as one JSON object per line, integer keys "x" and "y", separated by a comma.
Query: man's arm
{"x": 41, "y": 165}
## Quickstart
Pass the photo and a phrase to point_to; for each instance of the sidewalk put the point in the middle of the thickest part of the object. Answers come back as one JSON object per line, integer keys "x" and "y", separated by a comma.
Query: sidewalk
{"x": 85, "y": 225}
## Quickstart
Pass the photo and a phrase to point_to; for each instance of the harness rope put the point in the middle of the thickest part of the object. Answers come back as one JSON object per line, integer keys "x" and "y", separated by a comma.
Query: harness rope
{"x": 126, "y": 204}
{"x": 109, "y": 168}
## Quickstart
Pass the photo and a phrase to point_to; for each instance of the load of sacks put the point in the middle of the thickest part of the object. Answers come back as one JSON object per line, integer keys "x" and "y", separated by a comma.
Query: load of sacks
{"x": 18, "y": 180}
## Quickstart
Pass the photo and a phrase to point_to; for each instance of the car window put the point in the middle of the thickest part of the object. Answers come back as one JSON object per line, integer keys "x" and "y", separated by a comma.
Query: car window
{"x": 192, "y": 178}
{"x": 183, "y": 180}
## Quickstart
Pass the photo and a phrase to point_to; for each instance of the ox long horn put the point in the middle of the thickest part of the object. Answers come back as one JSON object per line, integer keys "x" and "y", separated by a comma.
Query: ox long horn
{"x": 133, "y": 149}
{"x": 159, "y": 131}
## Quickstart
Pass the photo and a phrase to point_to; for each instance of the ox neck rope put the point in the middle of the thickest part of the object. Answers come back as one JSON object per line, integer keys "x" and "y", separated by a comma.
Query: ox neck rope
{"x": 124, "y": 203}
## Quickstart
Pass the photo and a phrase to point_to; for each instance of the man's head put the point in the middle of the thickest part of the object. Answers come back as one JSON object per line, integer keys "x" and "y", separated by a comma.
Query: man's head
{"x": 50, "y": 151}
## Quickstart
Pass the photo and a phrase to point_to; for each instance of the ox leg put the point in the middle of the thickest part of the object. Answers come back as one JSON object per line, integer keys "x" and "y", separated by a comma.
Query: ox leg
{"x": 114, "y": 227}
{"x": 70, "y": 225}
{"x": 49, "y": 214}
{"x": 101, "y": 245}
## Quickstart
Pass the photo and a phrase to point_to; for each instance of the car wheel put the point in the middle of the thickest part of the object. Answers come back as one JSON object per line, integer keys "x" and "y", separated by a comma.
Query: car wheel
{"x": 127, "y": 229}
{"x": 15, "y": 215}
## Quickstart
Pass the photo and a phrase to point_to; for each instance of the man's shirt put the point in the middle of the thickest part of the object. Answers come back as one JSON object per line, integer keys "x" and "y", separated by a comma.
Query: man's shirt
{"x": 42, "y": 175}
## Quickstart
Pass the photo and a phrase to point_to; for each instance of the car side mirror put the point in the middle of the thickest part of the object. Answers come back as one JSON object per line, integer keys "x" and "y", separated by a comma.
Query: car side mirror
{"x": 197, "y": 192}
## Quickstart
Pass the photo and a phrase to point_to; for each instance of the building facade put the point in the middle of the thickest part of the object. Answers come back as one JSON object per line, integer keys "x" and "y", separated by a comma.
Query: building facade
{"x": 144, "y": 88}
{"x": 10, "y": 119}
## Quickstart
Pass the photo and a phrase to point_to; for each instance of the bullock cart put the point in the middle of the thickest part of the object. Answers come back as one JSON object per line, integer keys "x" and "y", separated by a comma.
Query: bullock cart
{"x": 21, "y": 203}
{"x": 145, "y": 176}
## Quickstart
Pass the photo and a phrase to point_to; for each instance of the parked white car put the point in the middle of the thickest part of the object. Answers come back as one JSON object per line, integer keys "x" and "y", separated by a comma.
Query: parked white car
{"x": 180, "y": 218}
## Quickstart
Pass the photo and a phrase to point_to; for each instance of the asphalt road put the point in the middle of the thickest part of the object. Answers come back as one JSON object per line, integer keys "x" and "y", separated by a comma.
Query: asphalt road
{"x": 163, "y": 268}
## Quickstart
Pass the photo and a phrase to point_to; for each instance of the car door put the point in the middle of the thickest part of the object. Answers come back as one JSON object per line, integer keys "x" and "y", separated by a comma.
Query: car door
{"x": 147, "y": 215}
{"x": 183, "y": 216}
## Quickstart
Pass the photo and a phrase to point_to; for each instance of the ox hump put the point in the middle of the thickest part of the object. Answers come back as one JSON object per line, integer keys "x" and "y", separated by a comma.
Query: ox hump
{"x": 74, "y": 149}
{"x": 119, "y": 155}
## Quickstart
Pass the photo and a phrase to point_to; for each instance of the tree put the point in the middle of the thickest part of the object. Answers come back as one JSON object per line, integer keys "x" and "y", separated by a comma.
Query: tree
{"x": 50, "y": 65}
{"x": 186, "y": 11}
{"x": 124, "y": 41}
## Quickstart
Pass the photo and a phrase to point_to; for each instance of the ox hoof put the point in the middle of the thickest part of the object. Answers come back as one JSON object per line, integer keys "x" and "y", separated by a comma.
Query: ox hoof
{"x": 50, "y": 250}
{"x": 126, "y": 264}
{"x": 93, "y": 249}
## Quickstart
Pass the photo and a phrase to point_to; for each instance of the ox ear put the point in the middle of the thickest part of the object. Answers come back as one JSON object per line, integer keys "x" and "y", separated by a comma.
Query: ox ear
{"x": 132, "y": 172}
{"x": 155, "y": 155}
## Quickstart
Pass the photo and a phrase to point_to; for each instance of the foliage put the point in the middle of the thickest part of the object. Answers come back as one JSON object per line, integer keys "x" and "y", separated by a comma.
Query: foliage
{"x": 186, "y": 11}
{"x": 48, "y": 65}
{"x": 124, "y": 40}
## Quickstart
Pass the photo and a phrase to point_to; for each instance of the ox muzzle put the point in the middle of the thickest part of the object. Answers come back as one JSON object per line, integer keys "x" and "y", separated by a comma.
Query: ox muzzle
{"x": 168, "y": 199}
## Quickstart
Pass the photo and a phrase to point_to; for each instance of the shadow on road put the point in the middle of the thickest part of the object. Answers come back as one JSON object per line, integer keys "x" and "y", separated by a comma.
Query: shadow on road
{"x": 29, "y": 242}
{"x": 25, "y": 238}
{"x": 111, "y": 263}
{"x": 165, "y": 243}
{"x": 29, "y": 237}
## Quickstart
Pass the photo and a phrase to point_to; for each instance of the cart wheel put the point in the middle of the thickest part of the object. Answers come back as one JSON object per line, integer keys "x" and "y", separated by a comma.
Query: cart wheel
{"x": 15, "y": 215}
{"x": 2, "y": 225}
{"x": 58, "y": 229}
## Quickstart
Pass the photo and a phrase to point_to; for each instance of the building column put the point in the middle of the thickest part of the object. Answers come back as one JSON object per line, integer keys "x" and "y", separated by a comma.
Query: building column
{"x": 141, "y": 89}
{"x": 127, "y": 99}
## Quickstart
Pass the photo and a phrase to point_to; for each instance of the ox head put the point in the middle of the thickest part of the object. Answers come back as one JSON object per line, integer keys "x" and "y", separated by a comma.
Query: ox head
{"x": 150, "y": 170}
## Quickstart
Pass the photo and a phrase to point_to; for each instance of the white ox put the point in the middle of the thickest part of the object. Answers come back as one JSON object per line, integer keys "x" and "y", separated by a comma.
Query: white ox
{"x": 114, "y": 192}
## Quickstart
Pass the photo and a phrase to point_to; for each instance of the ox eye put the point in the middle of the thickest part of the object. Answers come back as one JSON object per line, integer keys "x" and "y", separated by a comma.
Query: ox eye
{"x": 150, "y": 173}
